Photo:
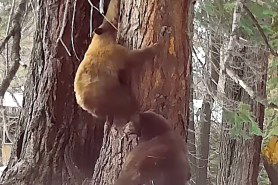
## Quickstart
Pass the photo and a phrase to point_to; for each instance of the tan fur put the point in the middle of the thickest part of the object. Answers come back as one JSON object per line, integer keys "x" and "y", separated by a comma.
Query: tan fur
{"x": 161, "y": 156}
{"x": 97, "y": 85}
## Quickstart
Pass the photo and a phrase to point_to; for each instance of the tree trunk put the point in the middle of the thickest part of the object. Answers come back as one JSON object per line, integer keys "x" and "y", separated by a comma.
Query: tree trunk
{"x": 191, "y": 139}
{"x": 162, "y": 85}
{"x": 242, "y": 154}
{"x": 206, "y": 111}
{"x": 203, "y": 148}
{"x": 57, "y": 142}
{"x": 239, "y": 157}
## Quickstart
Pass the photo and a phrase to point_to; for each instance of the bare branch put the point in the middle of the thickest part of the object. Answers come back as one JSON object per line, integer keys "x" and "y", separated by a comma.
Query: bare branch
{"x": 16, "y": 33}
{"x": 91, "y": 21}
{"x": 101, "y": 6}
{"x": 109, "y": 21}
{"x": 4, "y": 42}
{"x": 72, "y": 30}
{"x": 5, "y": 123}
{"x": 10, "y": 17}
{"x": 248, "y": 89}
{"x": 63, "y": 28}
{"x": 7, "y": 80}
{"x": 229, "y": 57}
{"x": 196, "y": 55}
{"x": 261, "y": 31}
{"x": 14, "y": 99}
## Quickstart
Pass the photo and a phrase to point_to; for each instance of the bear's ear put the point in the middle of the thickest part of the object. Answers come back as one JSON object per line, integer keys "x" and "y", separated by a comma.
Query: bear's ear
{"x": 99, "y": 31}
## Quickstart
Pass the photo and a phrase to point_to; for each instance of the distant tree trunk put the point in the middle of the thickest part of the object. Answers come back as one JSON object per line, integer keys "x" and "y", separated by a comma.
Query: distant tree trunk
{"x": 204, "y": 146}
{"x": 259, "y": 113}
{"x": 57, "y": 142}
{"x": 240, "y": 157}
{"x": 241, "y": 154}
{"x": 206, "y": 111}
{"x": 163, "y": 85}
{"x": 191, "y": 139}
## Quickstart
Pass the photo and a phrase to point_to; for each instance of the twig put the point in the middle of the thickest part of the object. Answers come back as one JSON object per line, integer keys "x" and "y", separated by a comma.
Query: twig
{"x": 92, "y": 5}
{"x": 7, "y": 38}
{"x": 72, "y": 30}
{"x": 6, "y": 132}
{"x": 248, "y": 89}
{"x": 65, "y": 46}
{"x": 64, "y": 21}
{"x": 16, "y": 33}
{"x": 229, "y": 57}
{"x": 101, "y": 6}
{"x": 10, "y": 17}
{"x": 14, "y": 99}
{"x": 91, "y": 21}
{"x": 63, "y": 28}
{"x": 261, "y": 31}
{"x": 7, "y": 80}
{"x": 33, "y": 9}
{"x": 196, "y": 55}
{"x": 7, "y": 32}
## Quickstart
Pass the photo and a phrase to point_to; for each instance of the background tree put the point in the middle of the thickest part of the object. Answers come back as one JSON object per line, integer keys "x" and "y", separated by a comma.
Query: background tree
{"x": 57, "y": 142}
{"x": 241, "y": 90}
{"x": 15, "y": 28}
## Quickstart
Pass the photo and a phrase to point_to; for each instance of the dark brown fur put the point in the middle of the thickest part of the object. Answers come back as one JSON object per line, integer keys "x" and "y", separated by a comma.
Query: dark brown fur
{"x": 161, "y": 155}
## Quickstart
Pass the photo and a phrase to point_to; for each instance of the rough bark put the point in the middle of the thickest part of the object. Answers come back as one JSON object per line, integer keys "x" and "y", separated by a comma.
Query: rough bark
{"x": 259, "y": 113}
{"x": 204, "y": 147}
{"x": 240, "y": 157}
{"x": 191, "y": 140}
{"x": 272, "y": 172}
{"x": 163, "y": 85}
{"x": 57, "y": 142}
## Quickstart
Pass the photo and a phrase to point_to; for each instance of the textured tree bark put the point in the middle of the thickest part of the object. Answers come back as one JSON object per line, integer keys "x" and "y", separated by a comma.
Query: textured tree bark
{"x": 204, "y": 147}
{"x": 272, "y": 171}
{"x": 259, "y": 113}
{"x": 163, "y": 85}
{"x": 57, "y": 142}
{"x": 15, "y": 54}
{"x": 191, "y": 140}
{"x": 240, "y": 158}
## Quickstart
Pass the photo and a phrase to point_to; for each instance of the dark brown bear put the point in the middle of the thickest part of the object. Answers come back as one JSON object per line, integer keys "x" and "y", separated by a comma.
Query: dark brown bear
{"x": 161, "y": 155}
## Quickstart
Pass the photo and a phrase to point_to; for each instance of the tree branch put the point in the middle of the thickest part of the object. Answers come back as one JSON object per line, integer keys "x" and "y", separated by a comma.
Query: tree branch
{"x": 16, "y": 33}
{"x": 6, "y": 39}
{"x": 14, "y": 98}
{"x": 229, "y": 57}
{"x": 104, "y": 16}
{"x": 248, "y": 89}
{"x": 261, "y": 31}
